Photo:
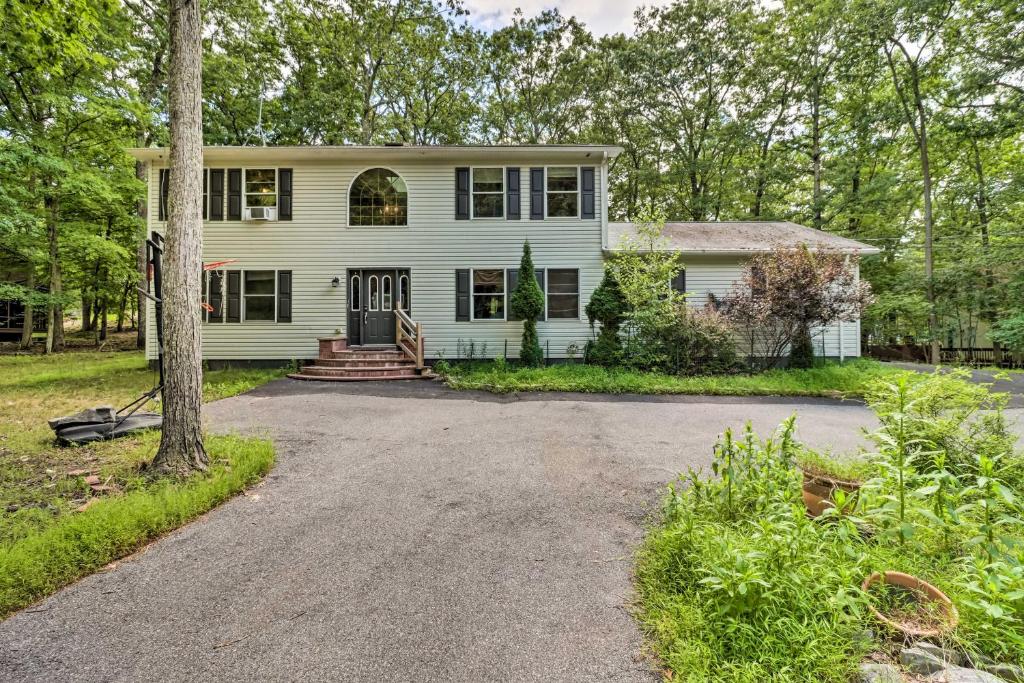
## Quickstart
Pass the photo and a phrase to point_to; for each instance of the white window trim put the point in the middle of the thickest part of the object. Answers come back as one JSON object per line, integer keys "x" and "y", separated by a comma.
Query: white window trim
{"x": 356, "y": 303}
{"x": 388, "y": 297}
{"x": 472, "y": 296}
{"x": 348, "y": 202}
{"x": 242, "y": 296}
{"x": 579, "y": 294}
{"x": 372, "y": 303}
{"x": 579, "y": 193}
{"x": 245, "y": 195}
{"x": 502, "y": 194}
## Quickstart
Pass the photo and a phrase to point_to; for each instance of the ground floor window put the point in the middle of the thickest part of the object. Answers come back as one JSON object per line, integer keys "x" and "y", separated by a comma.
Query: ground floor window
{"x": 259, "y": 295}
{"x": 235, "y": 296}
{"x": 489, "y": 294}
{"x": 563, "y": 293}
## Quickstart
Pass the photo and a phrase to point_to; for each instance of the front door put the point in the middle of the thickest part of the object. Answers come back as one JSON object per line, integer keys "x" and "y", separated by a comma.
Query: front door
{"x": 373, "y": 296}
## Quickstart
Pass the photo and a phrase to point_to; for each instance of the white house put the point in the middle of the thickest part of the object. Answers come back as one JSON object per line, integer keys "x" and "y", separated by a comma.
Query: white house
{"x": 337, "y": 253}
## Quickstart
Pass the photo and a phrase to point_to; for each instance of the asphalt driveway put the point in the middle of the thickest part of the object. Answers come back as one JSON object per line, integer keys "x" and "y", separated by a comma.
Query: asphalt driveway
{"x": 407, "y": 533}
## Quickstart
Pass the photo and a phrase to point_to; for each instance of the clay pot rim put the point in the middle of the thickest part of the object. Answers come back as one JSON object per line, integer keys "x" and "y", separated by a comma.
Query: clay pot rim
{"x": 921, "y": 586}
{"x": 813, "y": 475}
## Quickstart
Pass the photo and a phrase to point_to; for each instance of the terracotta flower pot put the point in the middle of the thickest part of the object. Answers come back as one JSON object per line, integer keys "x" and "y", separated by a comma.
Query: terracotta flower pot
{"x": 818, "y": 490}
{"x": 924, "y": 593}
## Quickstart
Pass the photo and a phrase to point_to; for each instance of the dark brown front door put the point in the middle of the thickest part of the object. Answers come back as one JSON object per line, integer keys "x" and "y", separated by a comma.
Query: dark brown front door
{"x": 373, "y": 296}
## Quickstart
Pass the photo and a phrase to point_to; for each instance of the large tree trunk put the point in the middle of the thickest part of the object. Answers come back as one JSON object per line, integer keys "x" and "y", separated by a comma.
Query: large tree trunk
{"x": 181, "y": 443}
{"x": 926, "y": 173}
{"x": 141, "y": 211}
{"x": 26, "y": 329}
{"x": 55, "y": 334}
{"x": 816, "y": 220}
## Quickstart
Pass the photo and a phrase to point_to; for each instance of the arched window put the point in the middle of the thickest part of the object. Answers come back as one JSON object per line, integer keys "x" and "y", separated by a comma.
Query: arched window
{"x": 385, "y": 289}
{"x": 378, "y": 198}
{"x": 355, "y": 293}
{"x": 403, "y": 292}
{"x": 374, "y": 294}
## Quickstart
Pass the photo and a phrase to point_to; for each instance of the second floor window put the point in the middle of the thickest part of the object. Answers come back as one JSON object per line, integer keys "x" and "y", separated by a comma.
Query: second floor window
{"x": 488, "y": 193}
{"x": 563, "y": 191}
{"x": 261, "y": 187}
{"x": 378, "y": 198}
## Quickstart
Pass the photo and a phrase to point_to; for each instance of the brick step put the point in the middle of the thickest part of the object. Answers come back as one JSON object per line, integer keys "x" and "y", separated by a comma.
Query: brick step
{"x": 388, "y": 378}
{"x": 366, "y": 372}
{"x": 402, "y": 362}
{"x": 383, "y": 354}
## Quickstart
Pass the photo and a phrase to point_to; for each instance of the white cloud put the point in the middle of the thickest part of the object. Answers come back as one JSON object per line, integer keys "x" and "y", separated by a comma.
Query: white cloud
{"x": 601, "y": 16}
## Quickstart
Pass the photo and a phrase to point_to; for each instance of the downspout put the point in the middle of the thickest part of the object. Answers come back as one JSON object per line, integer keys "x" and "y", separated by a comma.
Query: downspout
{"x": 604, "y": 202}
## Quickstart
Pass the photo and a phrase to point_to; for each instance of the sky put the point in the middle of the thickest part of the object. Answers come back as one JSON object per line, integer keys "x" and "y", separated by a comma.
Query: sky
{"x": 601, "y": 16}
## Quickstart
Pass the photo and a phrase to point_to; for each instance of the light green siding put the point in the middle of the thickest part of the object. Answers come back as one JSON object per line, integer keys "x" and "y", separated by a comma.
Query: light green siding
{"x": 317, "y": 245}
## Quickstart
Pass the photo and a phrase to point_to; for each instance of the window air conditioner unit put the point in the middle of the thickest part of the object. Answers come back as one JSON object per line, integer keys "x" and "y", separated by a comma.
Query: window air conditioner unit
{"x": 260, "y": 213}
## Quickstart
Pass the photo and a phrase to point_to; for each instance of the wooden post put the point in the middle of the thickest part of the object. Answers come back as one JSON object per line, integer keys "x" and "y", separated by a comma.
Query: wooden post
{"x": 419, "y": 346}
{"x": 398, "y": 329}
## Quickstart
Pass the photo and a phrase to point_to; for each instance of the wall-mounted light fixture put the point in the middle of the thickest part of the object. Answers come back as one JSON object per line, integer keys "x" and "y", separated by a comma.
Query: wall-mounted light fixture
{"x": 336, "y": 281}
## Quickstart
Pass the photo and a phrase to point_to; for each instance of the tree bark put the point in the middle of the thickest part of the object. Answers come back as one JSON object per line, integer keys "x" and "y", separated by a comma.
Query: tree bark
{"x": 26, "y": 329}
{"x": 141, "y": 210}
{"x": 55, "y": 334}
{"x": 181, "y": 442}
{"x": 816, "y": 221}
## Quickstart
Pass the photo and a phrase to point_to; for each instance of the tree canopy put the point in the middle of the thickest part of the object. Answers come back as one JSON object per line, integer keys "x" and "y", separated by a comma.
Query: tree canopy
{"x": 895, "y": 122}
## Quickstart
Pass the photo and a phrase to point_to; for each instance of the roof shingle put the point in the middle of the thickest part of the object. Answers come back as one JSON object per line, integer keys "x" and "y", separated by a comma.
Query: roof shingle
{"x": 740, "y": 237}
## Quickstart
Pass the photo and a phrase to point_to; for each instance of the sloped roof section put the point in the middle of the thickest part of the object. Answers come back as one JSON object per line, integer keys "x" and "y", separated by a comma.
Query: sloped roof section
{"x": 740, "y": 237}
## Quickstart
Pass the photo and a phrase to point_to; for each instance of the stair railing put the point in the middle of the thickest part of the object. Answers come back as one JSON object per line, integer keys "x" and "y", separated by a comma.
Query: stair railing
{"x": 409, "y": 337}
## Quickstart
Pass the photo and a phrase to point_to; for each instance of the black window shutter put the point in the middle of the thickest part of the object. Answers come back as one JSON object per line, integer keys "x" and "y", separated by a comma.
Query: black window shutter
{"x": 462, "y": 294}
{"x": 512, "y": 204}
{"x": 537, "y": 194}
{"x": 511, "y": 282}
{"x": 234, "y": 296}
{"x": 539, "y": 274}
{"x": 587, "y": 192}
{"x": 206, "y": 294}
{"x": 284, "y": 194}
{"x": 284, "y": 296}
{"x": 512, "y": 277}
{"x": 216, "y": 194}
{"x": 216, "y": 299}
{"x": 164, "y": 177}
{"x": 679, "y": 282}
{"x": 206, "y": 196}
{"x": 234, "y": 194}
{"x": 462, "y": 194}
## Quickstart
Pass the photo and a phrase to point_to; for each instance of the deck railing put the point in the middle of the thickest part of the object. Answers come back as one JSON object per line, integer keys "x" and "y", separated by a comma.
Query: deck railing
{"x": 409, "y": 337}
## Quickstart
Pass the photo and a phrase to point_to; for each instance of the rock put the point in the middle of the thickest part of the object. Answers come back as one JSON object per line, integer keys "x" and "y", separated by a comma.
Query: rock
{"x": 92, "y": 480}
{"x": 958, "y": 674}
{"x": 879, "y": 673}
{"x": 1007, "y": 672}
{"x": 919, "y": 661}
{"x": 942, "y": 654}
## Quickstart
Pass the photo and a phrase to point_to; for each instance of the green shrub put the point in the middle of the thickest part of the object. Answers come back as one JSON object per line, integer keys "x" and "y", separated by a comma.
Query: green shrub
{"x": 736, "y": 583}
{"x": 80, "y": 543}
{"x": 801, "y": 350}
{"x": 527, "y": 303}
{"x": 607, "y": 306}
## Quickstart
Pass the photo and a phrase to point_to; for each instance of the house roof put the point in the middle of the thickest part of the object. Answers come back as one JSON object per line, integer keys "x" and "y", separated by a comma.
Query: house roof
{"x": 380, "y": 153}
{"x": 740, "y": 237}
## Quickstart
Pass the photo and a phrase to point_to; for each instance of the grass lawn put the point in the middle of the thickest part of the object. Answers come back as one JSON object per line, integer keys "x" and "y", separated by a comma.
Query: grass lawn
{"x": 832, "y": 380}
{"x": 53, "y": 527}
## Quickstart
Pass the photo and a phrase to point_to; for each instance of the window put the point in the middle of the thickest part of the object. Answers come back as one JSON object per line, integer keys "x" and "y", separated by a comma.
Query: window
{"x": 488, "y": 192}
{"x": 261, "y": 187}
{"x": 355, "y": 304}
{"x": 234, "y": 296}
{"x": 378, "y": 198}
{"x": 385, "y": 288}
{"x": 403, "y": 293}
{"x": 258, "y": 295}
{"x": 374, "y": 293}
{"x": 563, "y": 293}
{"x": 563, "y": 190}
{"x": 488, "y": 295}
